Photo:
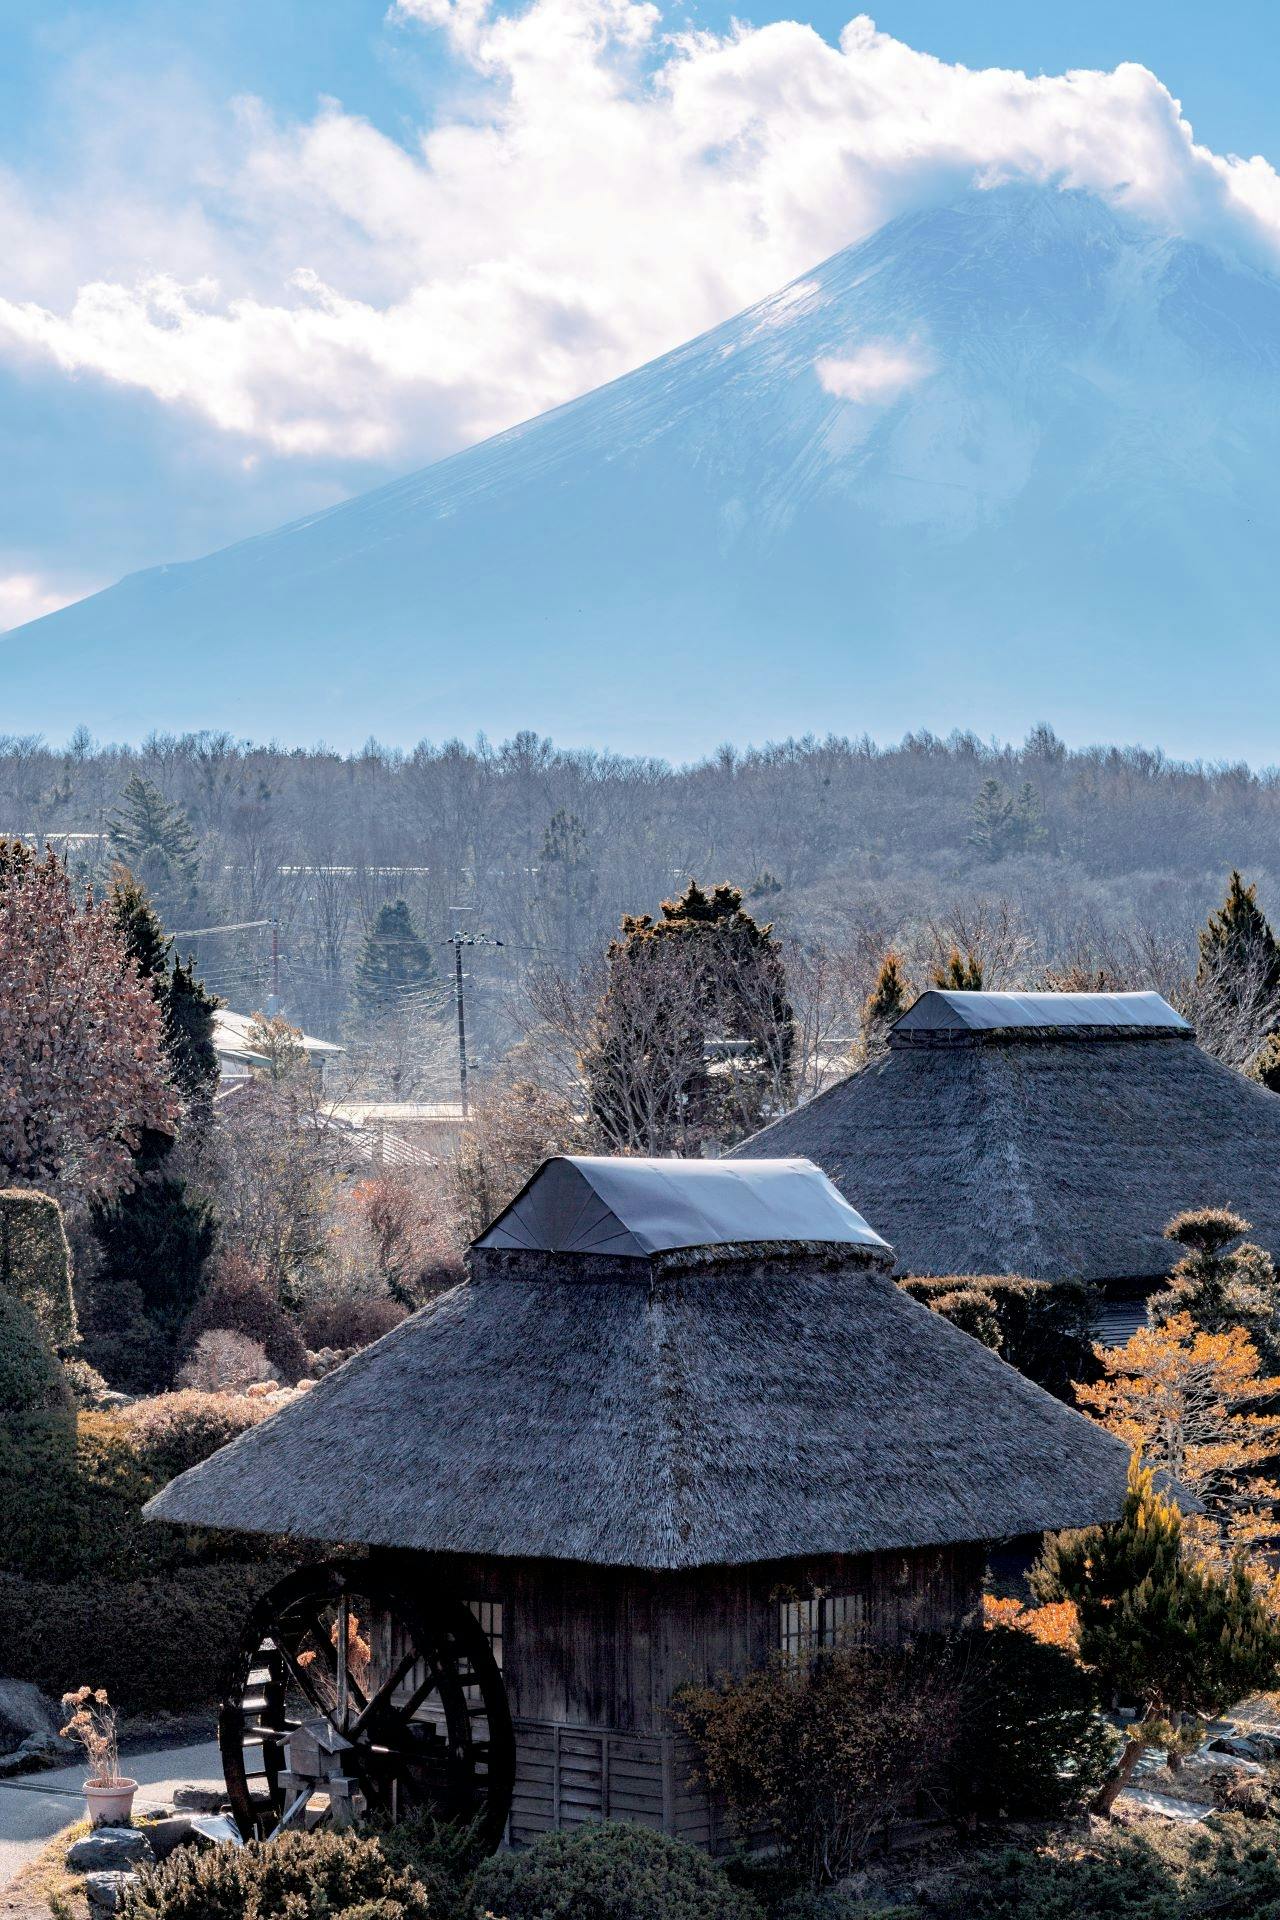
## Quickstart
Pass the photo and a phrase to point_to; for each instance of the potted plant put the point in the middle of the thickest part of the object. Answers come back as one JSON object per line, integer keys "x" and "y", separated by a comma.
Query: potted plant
{"x": 92, "y": 1721}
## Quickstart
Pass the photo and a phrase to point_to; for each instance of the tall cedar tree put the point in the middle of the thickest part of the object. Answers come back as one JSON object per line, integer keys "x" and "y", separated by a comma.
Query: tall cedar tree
{"x": 706, "y": 977}
{"x": 1163, "y": 1634}
{"x": 1237, "y": 938}
{"x": 395, "y": 965}
{"x": 159, "y": 1239}
{"x": 567, "y": 878}
{"x": 186, "y": 1007}
{"x": 887, "y": 1001}
{"x": 82, "y": 1066}
{"x": 156, "y": 841}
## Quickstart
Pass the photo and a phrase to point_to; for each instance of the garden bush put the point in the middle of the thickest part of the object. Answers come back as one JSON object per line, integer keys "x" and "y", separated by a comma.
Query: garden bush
{"x": 238, "y": 1302}
{"x": 31, "y": 1378}
{"x": 175, "y": 1431}
{"x": 609, "y": 1872}
{"x": 349, "y": 1320}
{"x": 823, "y": 1754}
{"x": 443, "y": 1856}
{"x": 35, "y": 1261}
{"x": 157, "y": 1645}
{"x": 1044, "y": 1329}
{"x": 317, "y": 1876}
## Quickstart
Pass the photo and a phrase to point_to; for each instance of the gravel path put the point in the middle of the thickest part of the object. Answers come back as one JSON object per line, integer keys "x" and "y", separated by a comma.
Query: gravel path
{"x": 36, "y": 1805}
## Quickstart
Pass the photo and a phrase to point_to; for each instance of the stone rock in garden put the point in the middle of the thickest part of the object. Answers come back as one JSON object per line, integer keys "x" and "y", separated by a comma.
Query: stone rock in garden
{"x": 109, "y": 1850}
{"x": 109, "y": 1399}
{"x": 1249, "y": 1743}
{"x": 105, "y": 1891}
{"x": 200, "y": 1799}
{"x": 191, "y": 1830}
{"x": 28, "y": 1728}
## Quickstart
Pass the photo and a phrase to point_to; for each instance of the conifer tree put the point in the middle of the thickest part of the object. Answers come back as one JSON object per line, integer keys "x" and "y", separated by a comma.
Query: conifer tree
{"x": 887, "y": 1001}
{"x": 154, "y": 1243}
{"x": 1238, "y": 939}
{"x": 157, "y": 842}
{"x": 961, "y": 974}
{"x": 1027, "y": 824}
{"x": 186, "y": 1007}
{"x": 993, "y": 831}
{"x": 395, "y": 966}
{"x": 1219, "y": 1284}
{"x": 1163, "y": 1634}
{"x": 567, "y": 877}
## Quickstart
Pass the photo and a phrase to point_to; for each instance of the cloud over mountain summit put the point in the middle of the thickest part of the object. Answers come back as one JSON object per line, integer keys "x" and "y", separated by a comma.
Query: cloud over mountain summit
{"x": 590, "y": 191}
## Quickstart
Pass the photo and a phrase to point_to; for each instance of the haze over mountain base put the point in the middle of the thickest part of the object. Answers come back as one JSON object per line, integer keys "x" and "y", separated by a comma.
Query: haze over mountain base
{"x": 1011, "y": 456}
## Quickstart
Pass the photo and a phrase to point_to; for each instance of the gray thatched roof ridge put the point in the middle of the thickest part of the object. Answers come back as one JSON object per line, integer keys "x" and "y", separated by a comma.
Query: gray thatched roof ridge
{"x": 630, "y": 1209}
{"x": 1054, "y": 1155}
{"x": 762, "y": 1412}
{"x": 945, "y": 1013}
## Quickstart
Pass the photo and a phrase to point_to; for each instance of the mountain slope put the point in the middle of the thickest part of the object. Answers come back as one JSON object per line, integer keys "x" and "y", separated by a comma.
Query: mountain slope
{"x": 1009, "y": 457}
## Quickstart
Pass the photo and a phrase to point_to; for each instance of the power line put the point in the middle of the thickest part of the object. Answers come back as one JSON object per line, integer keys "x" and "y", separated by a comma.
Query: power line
{"x": 458, "y": 940}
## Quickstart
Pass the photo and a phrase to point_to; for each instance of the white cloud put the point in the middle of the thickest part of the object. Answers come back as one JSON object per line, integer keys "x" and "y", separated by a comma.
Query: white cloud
{"x": 25, "y": 596}
{"x": 875, "y": 374}
{"x": 597, "y": 193}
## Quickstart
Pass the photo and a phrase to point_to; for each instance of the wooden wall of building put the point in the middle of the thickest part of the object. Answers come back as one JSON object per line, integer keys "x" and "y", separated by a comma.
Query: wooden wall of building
{"x": 592, "y": 1657}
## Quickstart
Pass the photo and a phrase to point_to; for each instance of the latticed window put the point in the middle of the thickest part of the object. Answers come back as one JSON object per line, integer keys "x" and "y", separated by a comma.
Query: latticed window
{"x": 489, "y": 1614}
{"x": 823, "y": 1621}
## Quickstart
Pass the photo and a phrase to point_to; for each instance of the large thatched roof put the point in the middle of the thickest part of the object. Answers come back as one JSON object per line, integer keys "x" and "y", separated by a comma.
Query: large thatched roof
{"x": 693, "y": 1408}
{"x": 1041, "y": 1134}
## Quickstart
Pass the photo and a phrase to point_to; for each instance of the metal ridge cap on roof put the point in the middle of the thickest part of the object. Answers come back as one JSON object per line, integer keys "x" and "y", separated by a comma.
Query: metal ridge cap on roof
{"x": 941, "y": 1010}
{"x": 636, "y": 1208}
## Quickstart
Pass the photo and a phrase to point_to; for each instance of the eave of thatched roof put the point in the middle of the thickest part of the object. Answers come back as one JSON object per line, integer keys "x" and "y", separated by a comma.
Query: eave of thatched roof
{"x": 1043, "y": 1155}
{"x": 743, "y": 1414}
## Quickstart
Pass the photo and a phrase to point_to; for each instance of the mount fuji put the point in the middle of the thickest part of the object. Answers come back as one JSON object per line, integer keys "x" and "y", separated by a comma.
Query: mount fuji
{"x": 1008, "y": 458}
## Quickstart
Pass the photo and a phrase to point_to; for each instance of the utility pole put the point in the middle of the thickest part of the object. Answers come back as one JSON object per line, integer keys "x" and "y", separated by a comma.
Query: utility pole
{"x": 458, "y": 940}
{"x": 273, "y": 1006}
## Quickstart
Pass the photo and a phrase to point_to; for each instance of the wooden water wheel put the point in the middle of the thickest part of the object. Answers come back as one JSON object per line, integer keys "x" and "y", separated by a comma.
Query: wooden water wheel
{"x": 350, "y": 1698}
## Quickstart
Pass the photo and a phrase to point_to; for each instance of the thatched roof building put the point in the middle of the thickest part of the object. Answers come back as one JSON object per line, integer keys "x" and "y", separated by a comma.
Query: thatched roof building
{"x": 666, "y": 1396}
{"x": 679, "y": 1417}
{"x": 1049, "y": 1135}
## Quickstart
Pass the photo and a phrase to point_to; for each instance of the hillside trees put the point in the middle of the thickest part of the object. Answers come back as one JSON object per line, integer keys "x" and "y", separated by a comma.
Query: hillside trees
{"x": 1234, "y": 1001}
{"x": 82, "y": 1061}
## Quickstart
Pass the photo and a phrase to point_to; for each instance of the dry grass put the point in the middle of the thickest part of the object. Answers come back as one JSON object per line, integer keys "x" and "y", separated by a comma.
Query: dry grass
{"x": 45, "y": 1890}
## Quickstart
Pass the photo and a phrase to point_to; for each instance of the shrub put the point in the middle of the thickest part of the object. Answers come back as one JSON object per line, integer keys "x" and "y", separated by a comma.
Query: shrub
{"x": 1043, "y": 1329}
{"x": 224, "y": 1362}
{"x": 85, "y": 1383}
{"x": 238, "y": 1302}
{"x": 160, "y": 1644}
{"x": 31, "y": 1379}
{"x": 824, "y": 1753}
{"x": 312, "y": 1876}
{"x": 1033, "y": 1745}
{"x": 119, "y": 1340}
{"x": 440, "y": 1854}
{"x": 35, "y": 1261}
{"x": 349, "y": 1320}
{"x": 609, "y": 1872}
{"x": 175, "y": 1431}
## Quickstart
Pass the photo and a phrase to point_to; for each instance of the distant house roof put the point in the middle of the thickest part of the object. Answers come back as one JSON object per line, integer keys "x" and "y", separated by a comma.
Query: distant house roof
{"x": 760, "y": 1408}
{"x": 942, "y": 1011}
{"x": 232, "y": 1036}
{"x": 1057, "y": 1148}
{"x": 634, "y": 1208}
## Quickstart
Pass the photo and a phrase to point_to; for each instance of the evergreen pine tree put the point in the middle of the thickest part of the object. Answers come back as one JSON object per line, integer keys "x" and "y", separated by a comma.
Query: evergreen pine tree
{"x": 1220, "y": 1284}
{"x": 567, "y": 877}
{"x": 157, "y": 842}
{"x": 887, "y": 1001}
{"x": 395, "y": 966}
{"x": 156, "y": 1237}
{"x": 1162, "y": 1633}
{"x": 185, "y": 1004}
{"x": 1237, "y": 939}
{"x": 1027, "y": 829}
{"x": 961, "y": 974}
{"x": 994, "y": 830}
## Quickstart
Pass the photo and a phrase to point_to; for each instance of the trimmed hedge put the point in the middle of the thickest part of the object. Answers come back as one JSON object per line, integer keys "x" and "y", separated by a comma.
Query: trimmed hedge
{"x": 320, "y": 1876}
{"x": 609, "y": 1872}
{"x": 157, "y": 1645}
{"x": 35, "y": 1261}
{"x": 238, "y": 1303}
{"x": 31, "y": 1378}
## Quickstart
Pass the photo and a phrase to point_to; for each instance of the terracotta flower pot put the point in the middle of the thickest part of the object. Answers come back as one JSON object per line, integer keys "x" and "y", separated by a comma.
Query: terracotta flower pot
{"x": 110, "y": 1802}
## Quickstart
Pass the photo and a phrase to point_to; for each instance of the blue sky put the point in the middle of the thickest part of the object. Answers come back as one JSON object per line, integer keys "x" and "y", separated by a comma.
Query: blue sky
{"x": 236, "y": 285}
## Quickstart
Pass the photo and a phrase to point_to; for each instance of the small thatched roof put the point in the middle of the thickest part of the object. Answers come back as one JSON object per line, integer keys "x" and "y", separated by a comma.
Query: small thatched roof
{"x": 699, "y": 1407}
{"x": 1051, "y": 1135}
